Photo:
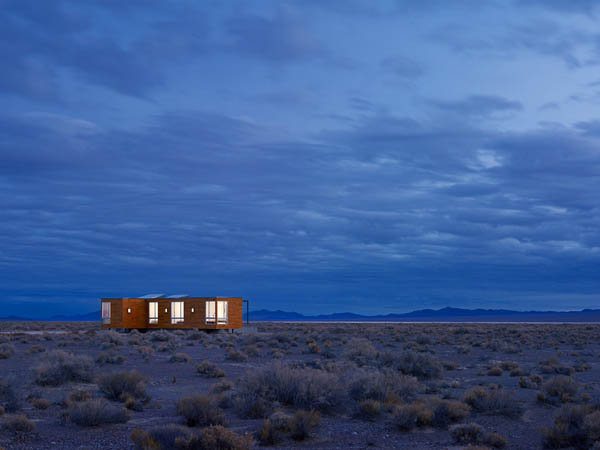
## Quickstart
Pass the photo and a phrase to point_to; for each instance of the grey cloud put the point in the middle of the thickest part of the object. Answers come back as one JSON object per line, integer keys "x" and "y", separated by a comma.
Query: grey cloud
{"x": 403, "y": 67}
{"x": 479, "y": 106}
{"x": 587, "y": 7}
{"x": 280, "y": 38}
{"x": 40, "y": 41}
{"x": 542, "y": 37}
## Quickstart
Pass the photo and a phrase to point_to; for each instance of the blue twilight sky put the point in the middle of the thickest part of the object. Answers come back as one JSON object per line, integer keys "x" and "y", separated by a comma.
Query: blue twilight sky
{"x": 316, "y": 156}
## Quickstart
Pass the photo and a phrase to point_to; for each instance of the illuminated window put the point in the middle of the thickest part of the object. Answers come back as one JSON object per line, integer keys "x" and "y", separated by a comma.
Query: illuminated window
{"x": 222, "y": 311}
{"x": 153, "y": 312}
{"x": 128, "y": 310}
{"x": 176, "y": 312}
{"x": 106, "y": 312}
{"x": 192, "y": 309}
{"x": 211, "y": 312}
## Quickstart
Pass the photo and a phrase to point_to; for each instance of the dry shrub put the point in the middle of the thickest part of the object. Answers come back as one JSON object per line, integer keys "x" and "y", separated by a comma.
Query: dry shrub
{"x": 509, "y": 365}
{"x": 252, "y": 350}
{"x": 18, "y": 423}
{"x": 268, "y": 434}
{"x": 122, "y": 386}
{"x": 146, "y": 352}
{"x": 558, "y": 390}
{"x": 302, "y": 424}
{"x": 495, "y": 371}
{"x": 95, "y": 412}
{"x": 429, "y": 412}
{"x": 209, "y": 370}
{"x": 9, "y": 400}
{"x": 404, "y": 417}
{"x": 496, "y": 440}
{"x": 553, "y": 366}
{"x": 467, "y": 433}
{"x": 369, "y": 409}
{"x": 574, "y": 426}
{"x": 110, "y": 357}
{"x": 236, "y": 356}
{"x": 111, "y": 338}
{"x": 450, "y": 365}
{"x": 250, "y": 405}
{"x": 143, "y": 441}
{"x": 179, "y": 358}
{"x": 40, "y": 403}
{"x": 78, "y": 396}
{"x": 281, "y": 420}
{"x": 176, "y": 437}
{"x": 215, "y": 438}
{"x": 313, "y": 347}
{"x": 161, "y": 437}
{"x": 413, "y": 363}
{"x": 300, "y": 388}
{"x": 35, "y": 349}
{"x": 445, "y": 412}
{"x": 492, "y": 401}
{"x": 361, "y": 351}
{"x": 530, "y": 382}
{"x": 160, "y": 336}
{"x": 384, "y": 386}
{"x": 6, "y": 351}
{"x": 59, "y": 367}
{"x": 200, "y": 410}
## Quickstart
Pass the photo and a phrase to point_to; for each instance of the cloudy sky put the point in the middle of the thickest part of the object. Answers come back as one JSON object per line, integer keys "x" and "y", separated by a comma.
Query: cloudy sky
{"x": 314, "y": 156}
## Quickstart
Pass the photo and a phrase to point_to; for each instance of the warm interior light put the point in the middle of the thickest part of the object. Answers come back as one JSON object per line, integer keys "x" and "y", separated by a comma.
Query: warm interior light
{"x": 128, "y": 310}
{"x": 192, "y": 309}
{"x": 166, "y": 310}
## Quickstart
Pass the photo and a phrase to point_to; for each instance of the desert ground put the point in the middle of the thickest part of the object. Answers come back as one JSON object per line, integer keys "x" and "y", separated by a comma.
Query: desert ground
{"x": 300, "y": 386}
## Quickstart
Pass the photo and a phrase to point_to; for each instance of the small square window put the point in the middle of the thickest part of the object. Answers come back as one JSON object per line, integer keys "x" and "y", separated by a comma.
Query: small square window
{"x": 128, "y": 310}
{"x": 192, "y": 309}
{"x": 166, "y": 310}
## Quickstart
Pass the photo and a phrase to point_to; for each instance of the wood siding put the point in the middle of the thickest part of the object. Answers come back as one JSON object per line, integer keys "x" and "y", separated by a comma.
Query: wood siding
{"x": 139, "y": 315}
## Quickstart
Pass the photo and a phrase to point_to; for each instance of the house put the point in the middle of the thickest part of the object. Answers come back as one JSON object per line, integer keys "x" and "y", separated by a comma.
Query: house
{"x": 175, "y": 311}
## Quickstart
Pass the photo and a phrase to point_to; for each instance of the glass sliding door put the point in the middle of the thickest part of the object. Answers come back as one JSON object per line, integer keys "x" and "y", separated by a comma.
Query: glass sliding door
{"x": 211, "y": 312}
{"x": 222, "y": 313}
{"x": 176, "y": 312}
{"x": 105, "y": 313}
{"x": 153, "y": 312}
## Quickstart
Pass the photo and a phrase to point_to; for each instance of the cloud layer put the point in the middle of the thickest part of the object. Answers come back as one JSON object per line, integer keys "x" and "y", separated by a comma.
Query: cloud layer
{"x": 269, "y": 153}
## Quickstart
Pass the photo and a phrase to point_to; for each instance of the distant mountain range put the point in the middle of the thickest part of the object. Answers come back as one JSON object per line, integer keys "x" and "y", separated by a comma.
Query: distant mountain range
{"x": 437, "y": 315}
{"x": 423, "y": 315}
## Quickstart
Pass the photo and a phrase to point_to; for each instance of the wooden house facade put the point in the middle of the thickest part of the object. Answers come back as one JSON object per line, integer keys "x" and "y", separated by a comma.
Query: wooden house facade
{"x": 176, "y": 312}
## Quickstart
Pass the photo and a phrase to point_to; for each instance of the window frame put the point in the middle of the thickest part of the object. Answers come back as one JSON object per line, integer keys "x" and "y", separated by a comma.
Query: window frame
{"x": 175, "y": 318}
{"x": 152, "y": 320}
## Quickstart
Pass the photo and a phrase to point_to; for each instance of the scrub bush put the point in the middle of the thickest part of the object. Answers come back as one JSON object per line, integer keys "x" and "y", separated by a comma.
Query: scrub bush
{"x": 18, "y": 423}
{"x": 209, "y": 370}
{"x": 95, "y": 412}
{"x": 58, "y": 367}
{"x": 303, "y": 423}
{"x": 492, "y": 401}
{"x": 200, "y": 410}
{"x": 121, "y": 386}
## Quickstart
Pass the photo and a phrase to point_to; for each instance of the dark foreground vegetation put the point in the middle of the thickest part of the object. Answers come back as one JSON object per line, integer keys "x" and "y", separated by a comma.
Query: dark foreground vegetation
{"x": 312, "y": 386}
